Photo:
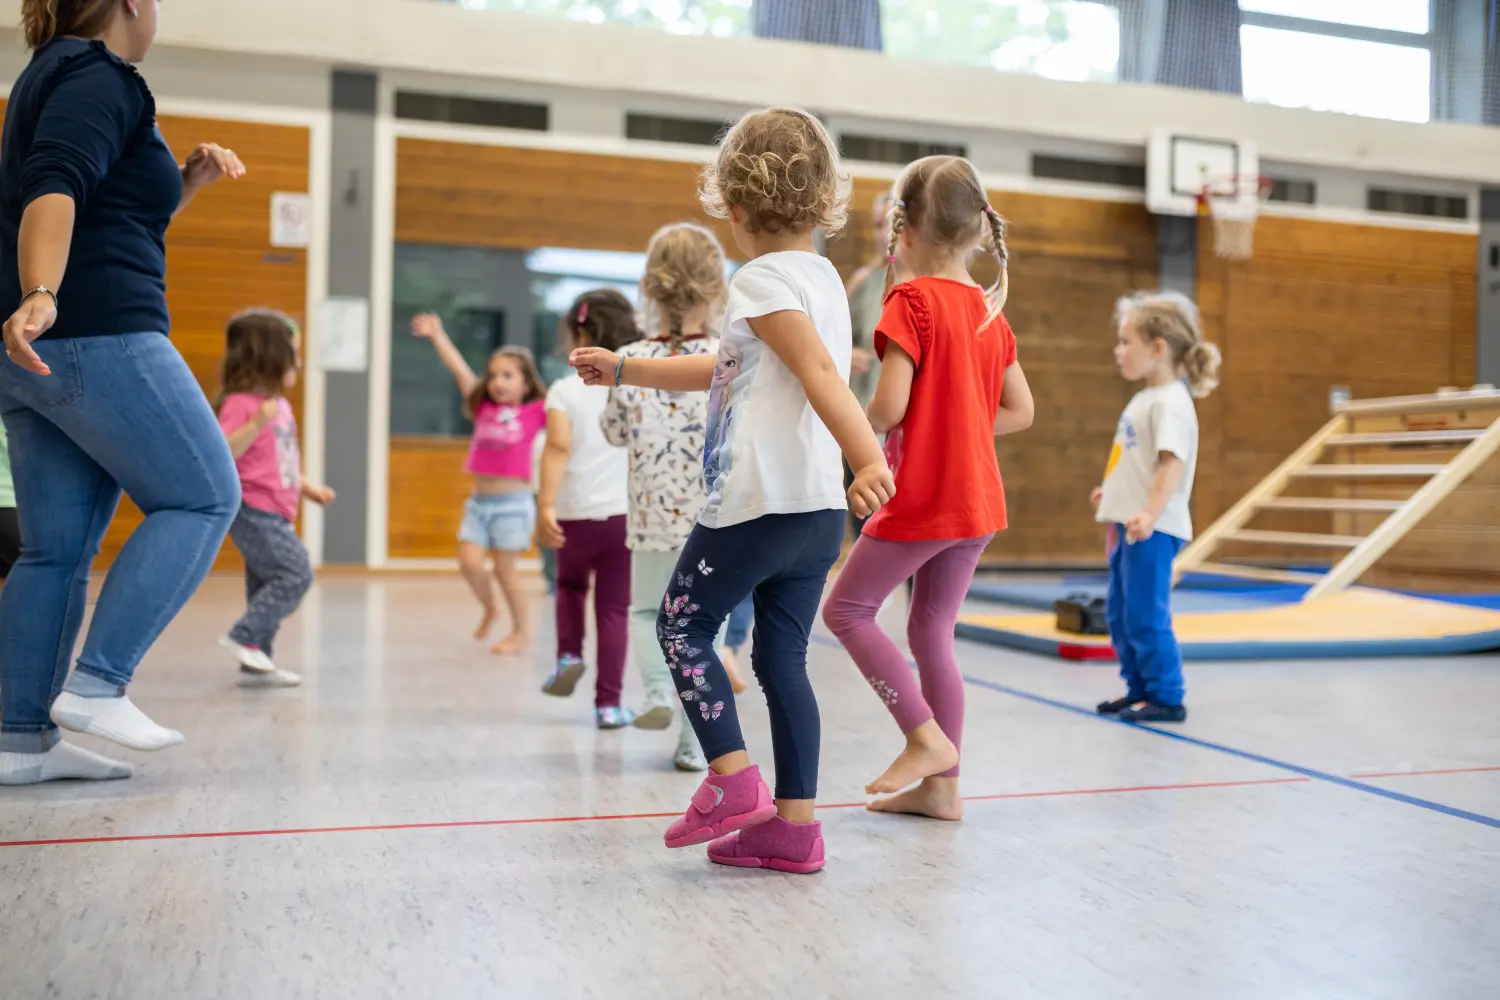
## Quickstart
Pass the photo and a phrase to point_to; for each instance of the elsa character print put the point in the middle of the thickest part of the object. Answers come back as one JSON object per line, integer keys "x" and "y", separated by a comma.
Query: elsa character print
{"x": 716, "y": 455}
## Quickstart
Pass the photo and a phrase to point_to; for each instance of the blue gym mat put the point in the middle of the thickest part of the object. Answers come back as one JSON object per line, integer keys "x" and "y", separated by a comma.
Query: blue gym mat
{"x": 1195, "y": 594}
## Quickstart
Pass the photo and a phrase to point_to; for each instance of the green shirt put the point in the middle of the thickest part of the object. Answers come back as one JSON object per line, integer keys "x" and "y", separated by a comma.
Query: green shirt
{"x": 7, "y": 487}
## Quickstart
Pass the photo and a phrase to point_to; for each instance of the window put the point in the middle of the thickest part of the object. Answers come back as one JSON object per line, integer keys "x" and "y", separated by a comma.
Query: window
{"x": 1361, "y": 57}
{"x": 681, "y": 17}
{"x": 1061, "y": 39}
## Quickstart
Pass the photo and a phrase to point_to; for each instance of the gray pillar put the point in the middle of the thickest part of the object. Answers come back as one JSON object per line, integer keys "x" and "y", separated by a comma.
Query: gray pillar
{"x": 1177, "y": 254}
{"x": 1487, "y": 365}
{"x": 350, "y": 247}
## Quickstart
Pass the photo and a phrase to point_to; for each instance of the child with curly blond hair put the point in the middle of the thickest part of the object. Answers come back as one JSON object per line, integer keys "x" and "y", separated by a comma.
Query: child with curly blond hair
{"x": 779, "y": 413}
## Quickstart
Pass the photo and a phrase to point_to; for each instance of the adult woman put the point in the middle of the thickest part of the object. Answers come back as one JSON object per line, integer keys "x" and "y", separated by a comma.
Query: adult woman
{"x": 102, "y": 401}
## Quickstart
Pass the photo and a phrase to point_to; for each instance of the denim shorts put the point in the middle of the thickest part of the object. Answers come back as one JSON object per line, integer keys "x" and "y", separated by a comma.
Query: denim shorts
{"x": 503, "y": 522}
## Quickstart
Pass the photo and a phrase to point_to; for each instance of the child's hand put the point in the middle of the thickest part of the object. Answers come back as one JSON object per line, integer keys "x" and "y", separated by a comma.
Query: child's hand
{"x": 320, "y": 495}
{"x": 548, "y": 530}
{"x": 1140, "y": 527}
{"x": 428, "y": 326}
{"x": 872, "y": 489}
{"x": 1097, "y": 497}
{"x": 269, "y": 411}
{"x": 595, "y": 365}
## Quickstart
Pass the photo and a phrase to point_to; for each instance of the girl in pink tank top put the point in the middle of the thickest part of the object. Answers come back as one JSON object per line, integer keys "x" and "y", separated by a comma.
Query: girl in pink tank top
{"x": 507, "y": 406}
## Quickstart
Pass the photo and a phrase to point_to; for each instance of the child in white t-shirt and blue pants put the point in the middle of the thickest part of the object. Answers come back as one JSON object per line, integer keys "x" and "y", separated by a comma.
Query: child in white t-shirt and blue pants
{"x": 1144, "y": 497}
{"x": 779, "y": 413}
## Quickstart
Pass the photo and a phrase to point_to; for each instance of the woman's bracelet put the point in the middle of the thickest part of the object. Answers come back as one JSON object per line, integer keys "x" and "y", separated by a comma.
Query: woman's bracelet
{"x": 619, "y": 372}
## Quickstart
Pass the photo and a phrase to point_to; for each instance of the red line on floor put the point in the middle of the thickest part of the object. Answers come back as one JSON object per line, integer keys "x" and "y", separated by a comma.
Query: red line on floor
{"x": 1418, "y": 774}
{"x": 460, "y": 824}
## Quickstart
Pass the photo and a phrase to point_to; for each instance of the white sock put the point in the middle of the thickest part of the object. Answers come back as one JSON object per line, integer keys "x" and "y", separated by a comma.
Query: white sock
{"x": 63, "y": 761}
{"x": 113, "y": 719}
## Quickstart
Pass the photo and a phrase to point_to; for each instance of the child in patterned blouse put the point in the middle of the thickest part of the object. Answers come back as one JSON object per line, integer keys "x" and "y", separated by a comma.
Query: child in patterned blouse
{"x": 683, "y": 290}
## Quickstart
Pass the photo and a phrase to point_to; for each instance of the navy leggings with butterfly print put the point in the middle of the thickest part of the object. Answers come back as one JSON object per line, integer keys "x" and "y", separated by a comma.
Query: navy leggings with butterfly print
{"x": 783, "y": 561}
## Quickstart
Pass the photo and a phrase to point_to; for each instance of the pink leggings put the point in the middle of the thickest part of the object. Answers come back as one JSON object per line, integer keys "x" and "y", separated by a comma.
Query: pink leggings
{"x": 943, "y": 571}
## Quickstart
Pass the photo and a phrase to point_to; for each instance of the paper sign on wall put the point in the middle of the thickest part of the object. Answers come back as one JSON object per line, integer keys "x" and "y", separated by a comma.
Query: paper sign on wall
{"x": 344, "y": 335}
{"x": 291, "y": 219}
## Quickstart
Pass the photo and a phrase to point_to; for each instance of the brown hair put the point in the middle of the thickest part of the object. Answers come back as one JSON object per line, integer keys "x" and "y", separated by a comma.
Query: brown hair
{"x": 942, "y": 198}
{"x": 780, "y": 166}
{"x": 44, "y": 20}
{"x": 684, "y": 270}
{"x": 1172, "y": 317}
{"x": 535, "y": 388}
{"x": 602, "y": 317}
{"x": 260, "y": 347}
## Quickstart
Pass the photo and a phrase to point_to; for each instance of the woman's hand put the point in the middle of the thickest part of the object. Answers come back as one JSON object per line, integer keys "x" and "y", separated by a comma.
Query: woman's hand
{"x": 595, "y": 365}
{"x": 209, "y": 162}
{"x": 33, "y": 318}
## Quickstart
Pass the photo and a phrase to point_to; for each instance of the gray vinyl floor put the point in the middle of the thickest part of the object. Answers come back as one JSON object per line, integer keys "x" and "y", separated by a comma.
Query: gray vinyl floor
{"x": 419, "y": 822}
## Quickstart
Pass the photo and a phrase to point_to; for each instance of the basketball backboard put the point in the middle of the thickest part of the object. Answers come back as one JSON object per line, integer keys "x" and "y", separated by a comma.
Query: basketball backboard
{"x": 1178, "y": 165}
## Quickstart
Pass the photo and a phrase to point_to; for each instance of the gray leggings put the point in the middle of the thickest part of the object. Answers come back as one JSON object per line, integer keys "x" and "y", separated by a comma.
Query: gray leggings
{"x": 277, "y": 575}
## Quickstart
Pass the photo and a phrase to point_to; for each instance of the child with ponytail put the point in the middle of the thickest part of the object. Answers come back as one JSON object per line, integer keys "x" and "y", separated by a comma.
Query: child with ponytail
{"x": 949, "y": 385}
{"x": 683, "y": 290}
{"x": 1144, "y": 498}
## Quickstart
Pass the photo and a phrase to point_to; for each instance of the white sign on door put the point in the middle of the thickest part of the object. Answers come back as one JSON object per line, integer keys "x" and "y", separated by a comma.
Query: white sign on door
{"x": 291, "y": 219}
{"x": 344, "y": 335}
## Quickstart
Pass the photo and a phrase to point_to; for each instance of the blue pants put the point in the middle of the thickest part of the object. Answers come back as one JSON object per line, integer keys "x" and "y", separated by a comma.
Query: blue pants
{"x": 738, "y": 630}
{"x": 783, "y": 561}
{"x": 116, "y": 412}
{"x": 1140, "y": 616}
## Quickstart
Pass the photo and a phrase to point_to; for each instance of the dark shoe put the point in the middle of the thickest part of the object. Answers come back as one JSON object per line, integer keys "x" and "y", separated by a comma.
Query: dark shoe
{"x": 1117, "y": 706}
{"x": 1152, "y": 712}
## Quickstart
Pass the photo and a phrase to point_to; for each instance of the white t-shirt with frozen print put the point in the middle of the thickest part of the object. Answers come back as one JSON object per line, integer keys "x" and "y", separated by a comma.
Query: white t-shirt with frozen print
{"x": 767, "y": 452}
{"x": 1158, "y": 419}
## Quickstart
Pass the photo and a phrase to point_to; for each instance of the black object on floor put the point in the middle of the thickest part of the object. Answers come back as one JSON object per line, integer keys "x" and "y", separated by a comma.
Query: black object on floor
{"x": 1081, "y": 615}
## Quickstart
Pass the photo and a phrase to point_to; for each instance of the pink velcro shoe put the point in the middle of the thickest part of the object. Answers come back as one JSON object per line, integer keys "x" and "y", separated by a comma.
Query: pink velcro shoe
{"x": 794, "y": 848}
{"x": 722, "y": 804}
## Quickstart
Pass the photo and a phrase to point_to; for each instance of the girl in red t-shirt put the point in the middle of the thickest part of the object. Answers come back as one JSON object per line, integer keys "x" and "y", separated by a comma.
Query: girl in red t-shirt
{"x": 950, "y": 383}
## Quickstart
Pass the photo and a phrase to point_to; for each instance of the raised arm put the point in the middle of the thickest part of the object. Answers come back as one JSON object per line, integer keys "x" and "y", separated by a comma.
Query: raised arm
{"x": 790, "y": 333}
{"x": 684, "y": 373}
{"x": 429, "y": 327}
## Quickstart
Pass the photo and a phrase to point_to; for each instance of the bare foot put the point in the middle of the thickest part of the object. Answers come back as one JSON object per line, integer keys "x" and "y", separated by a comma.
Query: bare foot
{"x": 516, "y": 642}
{"x": 928, "y": 751}
{"x": 491, "y": 616}
{"x": 731, "y": 667}
{"x": 935, "y": 797}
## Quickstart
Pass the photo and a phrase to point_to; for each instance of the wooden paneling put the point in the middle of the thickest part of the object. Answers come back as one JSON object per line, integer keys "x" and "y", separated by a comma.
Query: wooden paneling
{"x": 219, "y": 261}
{"x": 428, "y": 490}
{"x": 1384, "y": 311}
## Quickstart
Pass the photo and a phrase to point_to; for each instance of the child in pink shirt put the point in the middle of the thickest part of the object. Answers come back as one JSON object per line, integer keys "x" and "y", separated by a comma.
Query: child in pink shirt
{"x": 260, "y": 363}
{"x": 508, "y": 408}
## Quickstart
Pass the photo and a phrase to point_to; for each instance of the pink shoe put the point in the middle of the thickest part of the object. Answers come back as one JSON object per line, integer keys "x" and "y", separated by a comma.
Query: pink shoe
{"x": 722, "y": 804}
{"x": 776, "y": 844}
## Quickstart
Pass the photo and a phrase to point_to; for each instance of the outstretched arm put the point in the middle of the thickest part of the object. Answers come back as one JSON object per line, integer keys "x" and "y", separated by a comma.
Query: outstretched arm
{"x": 684, "y": 373}
{"x": 429, "y": 327}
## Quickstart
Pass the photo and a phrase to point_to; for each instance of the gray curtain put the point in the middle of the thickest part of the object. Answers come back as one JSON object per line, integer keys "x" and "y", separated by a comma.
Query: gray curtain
{"x": 853, "y": 24}
{"x": 1201, "y": 45}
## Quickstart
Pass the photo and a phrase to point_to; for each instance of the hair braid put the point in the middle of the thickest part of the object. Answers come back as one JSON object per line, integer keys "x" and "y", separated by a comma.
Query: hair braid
{"x": 898, "y": 223}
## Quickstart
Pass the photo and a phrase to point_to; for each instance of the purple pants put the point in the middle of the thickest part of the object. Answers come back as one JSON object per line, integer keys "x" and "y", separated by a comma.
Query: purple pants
{"x": 943, "y": 571}
{"x": 596, "y": 549}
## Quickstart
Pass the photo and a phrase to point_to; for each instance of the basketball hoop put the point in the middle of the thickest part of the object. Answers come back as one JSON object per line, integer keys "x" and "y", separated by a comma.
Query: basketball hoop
{"x": 1234, "y": 204}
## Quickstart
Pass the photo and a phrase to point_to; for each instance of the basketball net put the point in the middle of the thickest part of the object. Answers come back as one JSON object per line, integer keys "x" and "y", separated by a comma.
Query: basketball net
{"x": 1234, "y": 204}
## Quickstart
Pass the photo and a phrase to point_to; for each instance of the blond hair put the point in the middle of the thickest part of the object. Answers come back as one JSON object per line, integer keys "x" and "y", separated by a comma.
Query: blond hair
{"x": 942, "y": 198}
{"x": 1172, "y": 318}
{"x": 44, "y": 20}
{"x": 684, "y": 270}
{"x": 781, "y": 167}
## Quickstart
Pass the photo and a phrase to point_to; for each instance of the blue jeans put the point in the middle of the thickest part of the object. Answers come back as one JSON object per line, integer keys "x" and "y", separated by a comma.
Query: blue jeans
{"x": 783, "y": 560}
{"x": 1139, "y": 611}
{"x": 116, "y": 412}
{"x": 740, "y": 621}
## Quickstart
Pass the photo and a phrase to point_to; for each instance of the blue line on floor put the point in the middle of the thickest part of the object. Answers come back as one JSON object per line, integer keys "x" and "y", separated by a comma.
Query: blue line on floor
{"x": 1332, "y": 779}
